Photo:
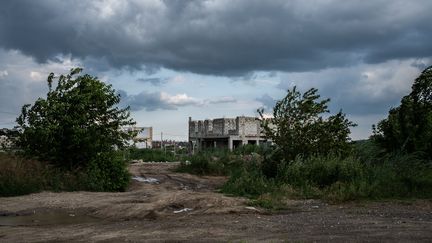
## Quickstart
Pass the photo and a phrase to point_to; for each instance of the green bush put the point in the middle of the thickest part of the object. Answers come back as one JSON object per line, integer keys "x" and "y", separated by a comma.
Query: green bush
{"x": 58, "y": 179}
{"x": 204, "y": 164}
{"x": 334, "y": 178}
{"x": 320, "y": 171}
{"x": 248, "y": 181}
{"x": 408, "y": 127}
{"x": 402, "y": 175}
{"x": 106, "y": 173}
{"x": 76, "y": 128}
{"x": 341, "y": 179}
{"x": 301, "y": 126}
{"x": 217, "y": 161}
{"x": 314, "y": 157}
{"x": 252, "y": 149}
{"x": 368, "y": 151}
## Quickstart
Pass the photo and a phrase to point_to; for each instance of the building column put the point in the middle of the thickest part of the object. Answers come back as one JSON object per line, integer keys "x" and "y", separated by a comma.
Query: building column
{"x": 257, "y": 142}
{"x": 215, "y": 144}
{"x": 191, "y": 147}
{"x": 230, "y": 144}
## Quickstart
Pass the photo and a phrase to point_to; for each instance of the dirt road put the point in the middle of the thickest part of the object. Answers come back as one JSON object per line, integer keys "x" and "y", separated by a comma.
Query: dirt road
{"x": 161, "y": 205}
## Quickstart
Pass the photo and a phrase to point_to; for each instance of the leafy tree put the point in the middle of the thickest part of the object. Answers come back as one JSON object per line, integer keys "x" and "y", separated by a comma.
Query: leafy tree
{"x": 408, "y": 128}
{"x": 298, "y": 128}
{"x": 76, "y": 125}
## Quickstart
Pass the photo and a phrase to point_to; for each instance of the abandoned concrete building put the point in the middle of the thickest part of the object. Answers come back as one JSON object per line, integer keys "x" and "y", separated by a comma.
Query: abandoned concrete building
{"x": 225, "y": 132}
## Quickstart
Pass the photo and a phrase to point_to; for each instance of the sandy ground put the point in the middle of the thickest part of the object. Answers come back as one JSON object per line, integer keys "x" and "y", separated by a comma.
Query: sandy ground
{"x": 183, "y": 207}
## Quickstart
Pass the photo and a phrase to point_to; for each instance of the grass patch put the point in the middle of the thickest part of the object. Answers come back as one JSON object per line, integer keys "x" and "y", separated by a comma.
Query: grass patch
{"x": 220, "y": 161}
{"x": 334, "y": 179}
{"x": 209, "y": 163}
{"x": 20, "y": 176}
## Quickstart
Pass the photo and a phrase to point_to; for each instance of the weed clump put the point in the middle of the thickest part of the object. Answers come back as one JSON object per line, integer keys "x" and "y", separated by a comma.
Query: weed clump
{"x": 334, "y": 179}
{"x": 20, "y": 176}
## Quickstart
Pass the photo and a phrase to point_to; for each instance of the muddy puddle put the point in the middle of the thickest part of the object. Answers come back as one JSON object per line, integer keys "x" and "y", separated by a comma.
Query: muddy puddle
{"x": 46, "y": 218}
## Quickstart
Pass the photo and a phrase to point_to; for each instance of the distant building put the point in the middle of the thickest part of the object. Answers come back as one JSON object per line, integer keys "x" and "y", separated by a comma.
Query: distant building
{"x": 8, "y": 138}
{"x": 5, "y": 142}
{"x": 156, "y": 144}
{"x": 225, "y": 132}
{"x": 144, "y": 138}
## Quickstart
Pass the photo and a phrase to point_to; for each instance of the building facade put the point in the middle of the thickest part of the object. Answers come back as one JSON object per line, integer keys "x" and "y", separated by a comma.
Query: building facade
{"x": 225, "y": 132}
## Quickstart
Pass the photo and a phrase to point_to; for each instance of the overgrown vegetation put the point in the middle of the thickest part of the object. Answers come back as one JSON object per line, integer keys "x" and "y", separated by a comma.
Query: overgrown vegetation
{"x": 222, "y": 161}
{"x": 336, "y": 179}
{"x": 76, "y": 129}
{"x": 20, "y": 176}
{"x": 209, "y": 162}
{"x": 298, "y": 127}
{"x": 313, "y": 157}
{"x": 408, "y": 128}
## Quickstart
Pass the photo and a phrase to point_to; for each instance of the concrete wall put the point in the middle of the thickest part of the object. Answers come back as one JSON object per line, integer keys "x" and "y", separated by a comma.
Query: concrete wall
{"x": 230, "y": 126}
{"x": 218, "y": 127}
{"x": 208, "y": 127}
{"x": 239, "y": 126}
{"x": 193, "y": 128}
{"x": 248, "y": 126}
{"x": 225, "y": 133}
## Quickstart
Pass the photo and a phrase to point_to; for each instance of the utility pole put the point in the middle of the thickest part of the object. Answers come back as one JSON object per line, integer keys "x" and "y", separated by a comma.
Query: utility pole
{"x": 162, "y": 143}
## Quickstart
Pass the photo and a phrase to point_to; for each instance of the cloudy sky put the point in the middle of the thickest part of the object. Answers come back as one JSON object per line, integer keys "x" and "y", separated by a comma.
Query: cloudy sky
{"x": 217, "y": 58}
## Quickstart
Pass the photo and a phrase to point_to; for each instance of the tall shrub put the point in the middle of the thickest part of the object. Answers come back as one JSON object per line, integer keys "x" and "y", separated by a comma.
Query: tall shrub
{"x": 408, "y": 127}
{"x": 298, "y": 128}
{"x": 77, "y": 124}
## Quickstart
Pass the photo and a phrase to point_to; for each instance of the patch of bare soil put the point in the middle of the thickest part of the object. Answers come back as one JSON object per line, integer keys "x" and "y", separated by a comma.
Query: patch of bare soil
{"x": 162, "y": 205}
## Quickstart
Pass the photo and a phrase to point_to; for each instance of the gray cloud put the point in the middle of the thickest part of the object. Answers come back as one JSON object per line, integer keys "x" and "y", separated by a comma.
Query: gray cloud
{"x": 145, "y": 100}
{"x": 363, "y": 89}
{"x": 152, "y": 101}
{"x": 153, "y": 81}
{"x": 226, "y": 37}
{"x": 267, "y": 102}
{"x": 22, "y": 81}
{"x": 223, "y": 100}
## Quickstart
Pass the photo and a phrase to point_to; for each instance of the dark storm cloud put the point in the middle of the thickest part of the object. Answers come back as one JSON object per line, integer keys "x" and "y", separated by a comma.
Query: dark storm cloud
{"x": 219, "y": 37}
{"x": 360, "y": 90}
